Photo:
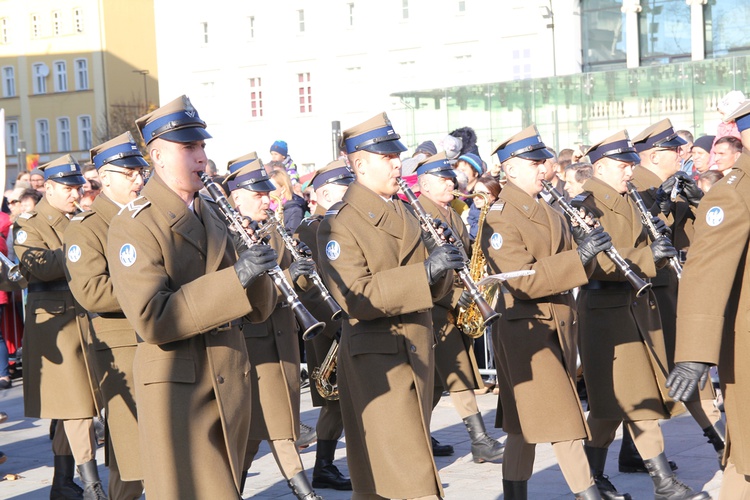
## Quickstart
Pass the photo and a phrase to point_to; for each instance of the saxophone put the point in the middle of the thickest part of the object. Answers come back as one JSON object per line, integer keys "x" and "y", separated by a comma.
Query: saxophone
{"x": 325, "y": 375}
{"x": 470, "y": 320}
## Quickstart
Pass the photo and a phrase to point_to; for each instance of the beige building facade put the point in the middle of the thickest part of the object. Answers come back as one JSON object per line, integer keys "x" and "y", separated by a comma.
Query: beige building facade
{"x": 74, "y": 73}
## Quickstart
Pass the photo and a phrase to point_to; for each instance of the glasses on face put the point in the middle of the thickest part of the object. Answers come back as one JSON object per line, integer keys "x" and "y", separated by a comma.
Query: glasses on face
{"x": 13, "y": 202}
{"x": 675, "y": 149}
{"x": 131, "y": 174}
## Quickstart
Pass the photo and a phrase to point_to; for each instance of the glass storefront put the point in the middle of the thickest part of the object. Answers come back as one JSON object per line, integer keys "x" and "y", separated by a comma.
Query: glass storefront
{"x": 664, "y": 31}
{"x": 603, "y": 34}
{"x": 578, "y": 109}
{"x": 726, "y": 23}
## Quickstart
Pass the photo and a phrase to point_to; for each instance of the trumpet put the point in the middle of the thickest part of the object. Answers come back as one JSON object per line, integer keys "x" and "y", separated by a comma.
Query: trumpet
{"x": 488, "y": 314}
{"x": 674, "y": 262}
{"x": 636, "y": 281}
{"x": 309, "y": 325}
{"x": 14, "y": 271}
{"x": 276, "y": 224}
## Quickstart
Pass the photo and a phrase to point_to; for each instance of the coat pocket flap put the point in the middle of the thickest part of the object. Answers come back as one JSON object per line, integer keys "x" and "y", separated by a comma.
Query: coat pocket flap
{"x": 180, "y": 370}
{"x": 528, "y": 310}
{"x": 373, "y": 343}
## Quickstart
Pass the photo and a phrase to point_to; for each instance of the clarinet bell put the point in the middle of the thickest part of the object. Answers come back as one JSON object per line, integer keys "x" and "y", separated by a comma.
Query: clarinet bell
{"x": 308, "y": 324}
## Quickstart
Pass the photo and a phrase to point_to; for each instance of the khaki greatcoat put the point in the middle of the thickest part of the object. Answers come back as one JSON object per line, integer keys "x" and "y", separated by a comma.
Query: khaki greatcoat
{"x": 712, "y": 310}
{"x": 57, "y": 382}
{"x": 535, "y": 339}
{"x": 172, "y": 274}
{"x": 622, "y": 345}
{"x": 455, "y": 363}
{"x": 374, "y": 268}
{"x": 112, "y": 341}
{"x": 317, "y": 348}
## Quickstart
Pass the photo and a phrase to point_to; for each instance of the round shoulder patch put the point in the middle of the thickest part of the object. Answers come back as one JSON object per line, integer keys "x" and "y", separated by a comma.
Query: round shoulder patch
{"x": 333, "y": 250}
{"x": 496, "y": 241}
{"x": 714, "y": 216}
{"x": 21, "y": 236}
{"x": 127, "y": 255}
{"x": 74, "y": 253}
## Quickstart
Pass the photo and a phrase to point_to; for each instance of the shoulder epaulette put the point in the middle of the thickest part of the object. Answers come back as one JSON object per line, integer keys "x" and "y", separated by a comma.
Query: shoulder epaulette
{"x": 498, "y": 206}
{"x": 335, "y": 209}
{"x": 27, "y": 215}
{"x": 309, "y": 220}
{"x": 735, "y": 176}
{"x": 578, "y": 200}
{"x": 135, "y": 206}
{"x": 82, "y": 216}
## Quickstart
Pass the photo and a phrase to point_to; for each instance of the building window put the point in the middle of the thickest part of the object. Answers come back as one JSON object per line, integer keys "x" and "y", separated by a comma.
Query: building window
{"x": 404, "y": 9}
{"x": 462, "y": 6}
{"x": 40, "y": 72}
{"x": 305, "y": 93}
{"x": 301, "y": 18}
{"x": 61, "y": 76}
{"x": 63, "y": 134}
{"x": 56, "y": 23}
{"x": 256, "y": 98}
{"x": 11, "y": 137}
{"x": 662, "y": 33}
{"x": 204, "y": 33}
{"x": 42, "y": 136}
{"x": 34, "y": 25}
{"x": 82, "y": 74}
{"x": 78, "y": 20}
{"x": 251, "y": 27}
{"x": 4, "y": 38}
{"x": 603, "y": 35}
{"x": 521, "y": 64}
{"x": 84, "y": 133}
{"x": 9, "y": 81}
{"x": 350, "y": 7}
{"x": 725, "y": 24}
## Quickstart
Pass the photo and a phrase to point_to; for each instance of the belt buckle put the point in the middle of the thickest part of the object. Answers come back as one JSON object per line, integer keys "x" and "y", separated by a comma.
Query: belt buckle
{"x": 225, "y": 327}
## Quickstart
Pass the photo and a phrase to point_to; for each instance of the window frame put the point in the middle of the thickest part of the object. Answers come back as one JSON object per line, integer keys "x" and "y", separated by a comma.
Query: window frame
{"x": 42, "y": 136}
{"x": 11, "y": 139}
{"x": 57, "y": 74}
{"x": 83, "y": 145}
{"x": 78, "y": 73}
{"x": 12, "y": 79}
{"x": 39, "y": 82}
{"x": 64, "y": 140}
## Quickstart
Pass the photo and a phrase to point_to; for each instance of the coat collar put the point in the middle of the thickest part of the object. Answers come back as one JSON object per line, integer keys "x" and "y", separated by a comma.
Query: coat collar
{"x": 615, "y": 202}
{"x": 524, "y": 203}
{"x": 105, "y": 208}
{"x": 55, "y": 218}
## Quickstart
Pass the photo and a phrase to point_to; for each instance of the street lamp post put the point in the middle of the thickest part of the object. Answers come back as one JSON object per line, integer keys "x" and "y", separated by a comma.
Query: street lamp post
{"x": 144, "y": 72}
{"x": 548, "y": 13}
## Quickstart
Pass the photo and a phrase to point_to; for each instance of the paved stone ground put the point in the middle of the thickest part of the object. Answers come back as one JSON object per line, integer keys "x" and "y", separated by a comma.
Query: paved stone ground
{"x": 27, "y": 445}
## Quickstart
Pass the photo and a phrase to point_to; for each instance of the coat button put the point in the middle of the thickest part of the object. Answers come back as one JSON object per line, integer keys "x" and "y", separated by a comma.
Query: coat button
{"x": 562, "y": 323}
{"x": 220, "y": 379}
{"x": 278, "y": 333}
{"x": 413, "y": 348}
{"x": 635, "y": 304}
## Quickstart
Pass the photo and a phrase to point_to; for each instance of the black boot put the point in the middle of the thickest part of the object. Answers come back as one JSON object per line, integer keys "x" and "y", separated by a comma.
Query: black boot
{"x": 92, "y": 485}
{"x": 666, "y": 484}
{"x": 483, "y": 447}
{"x": 591, "y": 493}
{"x": 63, "y": 486}
{"x": 597, "y": 458}
{"x": 325, "y": 473}
{"x": 440, "y": 450}
{"x": 301, "y": 487}
{"x": 629, "y": 460}
{"x": 715, "y": 435}
{"x": 514, "y": 490}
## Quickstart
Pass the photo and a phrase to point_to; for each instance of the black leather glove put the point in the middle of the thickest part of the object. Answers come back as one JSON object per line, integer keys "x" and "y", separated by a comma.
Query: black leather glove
{"x": 253, "y": 262}
{"x": 690, "y": 189}
{"x": 685, "y": 377}
{"x": 441, "y": 260}
{"x": 302, "y": 248}
{"x": 302, "y": 267}
{"x": 662, "y": 249}
{"x": 465, "y": 300}
{"x": 239, "y": 239}
{"x": 662, "y": 198}
{"x": 596, "y": 241}
{"x": 661, "y": 227}
{"x": 579, "y": 232}
{"x": 440, "y": 227}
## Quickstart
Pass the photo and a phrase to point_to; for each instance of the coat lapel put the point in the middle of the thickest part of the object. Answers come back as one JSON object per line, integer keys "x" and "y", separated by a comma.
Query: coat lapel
{"x": 216, "y": 236}
{"x": 182, "y": 221}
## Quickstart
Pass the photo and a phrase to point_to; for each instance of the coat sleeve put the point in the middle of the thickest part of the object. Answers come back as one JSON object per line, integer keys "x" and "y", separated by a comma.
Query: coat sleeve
{"x": 709, "y": 276}
{"x": 367, "y": 294}
{"x": 88, "y": 277}
{"x": 161, "y": 312}
{"x": 554, "y": 273}
{"x": 43, "y": 263}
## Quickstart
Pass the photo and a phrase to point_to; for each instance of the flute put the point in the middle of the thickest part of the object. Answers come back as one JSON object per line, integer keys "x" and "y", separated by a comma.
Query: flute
{"x": 638, "y": 283}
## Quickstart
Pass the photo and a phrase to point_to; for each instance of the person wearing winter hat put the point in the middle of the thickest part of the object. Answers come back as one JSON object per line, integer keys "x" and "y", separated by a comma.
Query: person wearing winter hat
{"x": 280, "y": 152}
{"x": 427, "y": 148}
{"x": 701, "y": 154}
{"x": 471, "y": 165}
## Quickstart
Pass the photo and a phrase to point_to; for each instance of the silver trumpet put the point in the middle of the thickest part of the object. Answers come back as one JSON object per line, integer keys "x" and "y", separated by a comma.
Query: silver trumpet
{"x": 14, "y": 271}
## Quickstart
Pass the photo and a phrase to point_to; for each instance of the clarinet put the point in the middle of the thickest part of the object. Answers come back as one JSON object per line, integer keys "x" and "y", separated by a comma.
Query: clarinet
{"x": 309, "y": 325}
{"x": 676, "y": 189}
{"x": 674, "y": 262}
{"x": 297, "y": 255}
{"x": 636, "y": 281}
{"x": 489, "y": 315}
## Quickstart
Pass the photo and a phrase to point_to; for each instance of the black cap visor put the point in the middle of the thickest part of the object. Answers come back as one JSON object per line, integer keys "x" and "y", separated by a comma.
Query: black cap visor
{"x": 134, "y": 161}
{"x": 264, "y": 186}
{"x": 69, "y": 180}
{"x": 189, "y": 134}
{"x": 535, "y": 154}
{"x": 627, "y": 156}
{"x": 385, "y": 147}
